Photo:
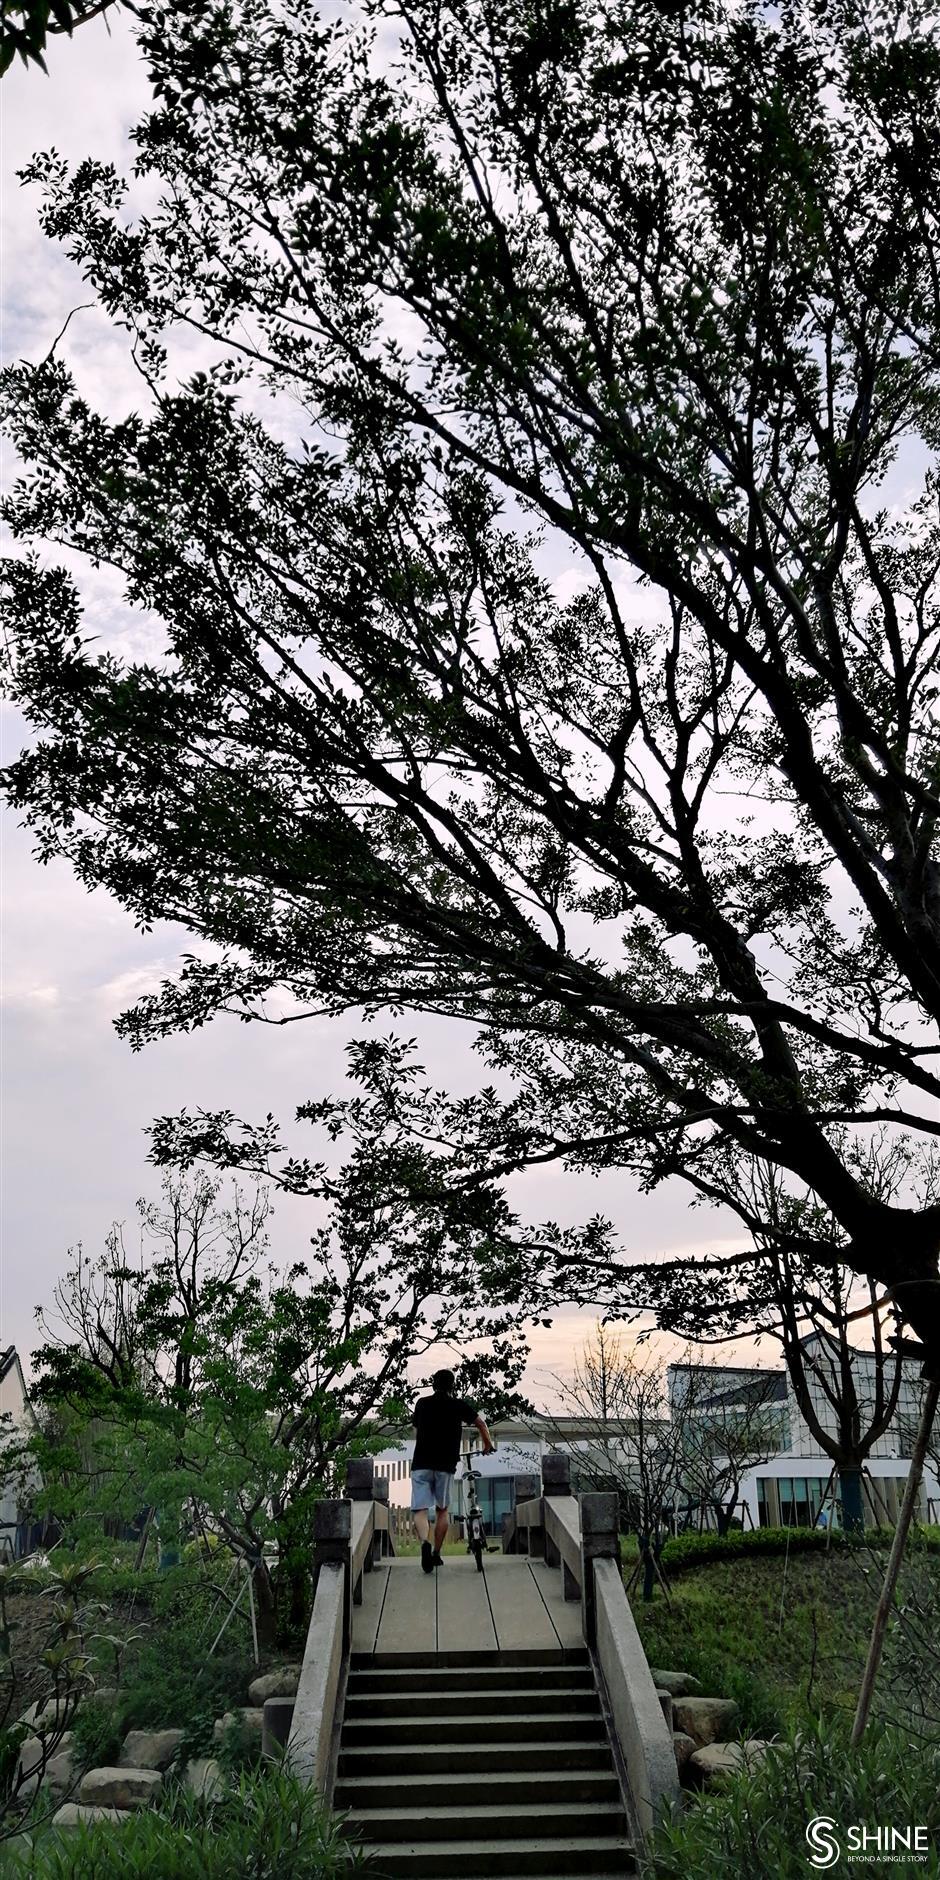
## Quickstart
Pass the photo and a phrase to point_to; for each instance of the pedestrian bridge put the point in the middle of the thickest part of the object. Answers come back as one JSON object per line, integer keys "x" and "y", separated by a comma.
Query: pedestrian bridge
{"x": 502, "y": 1722}
{"x": 515, "y": 1604}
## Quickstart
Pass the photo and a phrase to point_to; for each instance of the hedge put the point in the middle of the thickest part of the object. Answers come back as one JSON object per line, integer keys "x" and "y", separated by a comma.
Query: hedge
{"x": 696, "y": 1550}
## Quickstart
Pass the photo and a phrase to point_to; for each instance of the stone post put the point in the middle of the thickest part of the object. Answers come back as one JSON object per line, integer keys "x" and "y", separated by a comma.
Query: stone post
{"x": 556, "y": 1480}
{"x": 332, "y": 1534}
{"x": 360, "y": 1478}
{"x": 600, "y": 1540}
{"x": 527, "y": 1488}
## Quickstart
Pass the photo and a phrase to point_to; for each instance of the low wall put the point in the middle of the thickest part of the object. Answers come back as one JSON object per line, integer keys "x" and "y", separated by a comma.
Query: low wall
{"x": 645, "y": 1738}
{"x": 310, "y": 1744}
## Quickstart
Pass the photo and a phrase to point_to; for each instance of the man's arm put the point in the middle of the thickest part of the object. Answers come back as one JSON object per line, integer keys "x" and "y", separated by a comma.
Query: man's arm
{"x": 488, "y": 1443}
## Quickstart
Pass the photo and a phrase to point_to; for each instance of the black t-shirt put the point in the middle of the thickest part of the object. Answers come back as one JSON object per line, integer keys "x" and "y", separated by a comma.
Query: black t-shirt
{"x": 439, "y": 1421}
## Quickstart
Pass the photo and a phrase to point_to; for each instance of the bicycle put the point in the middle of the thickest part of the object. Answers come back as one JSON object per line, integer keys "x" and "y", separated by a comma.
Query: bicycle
{"x": 474, "y": 1527}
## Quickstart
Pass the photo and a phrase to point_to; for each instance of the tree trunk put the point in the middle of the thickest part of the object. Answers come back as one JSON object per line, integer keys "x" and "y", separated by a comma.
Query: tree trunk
{"x": 905, "y": 1517}
{"x": 851, "y": 1498}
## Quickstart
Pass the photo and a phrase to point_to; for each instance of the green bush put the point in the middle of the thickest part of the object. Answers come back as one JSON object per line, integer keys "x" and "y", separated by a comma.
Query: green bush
{"x": 757, "y": 1826}
{"x": 696, "y": 1550}
{"x": 266, "y": 1827}
{"x": 97, "y": 1736}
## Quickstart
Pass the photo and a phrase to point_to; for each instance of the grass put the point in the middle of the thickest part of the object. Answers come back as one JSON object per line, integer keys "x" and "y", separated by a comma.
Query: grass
{"x": 266, "y": 1826}
{"x": 786, "y": 1639}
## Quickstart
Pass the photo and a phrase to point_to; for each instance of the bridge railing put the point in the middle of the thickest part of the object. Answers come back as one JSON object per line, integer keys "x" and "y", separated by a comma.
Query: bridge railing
{"x": 349, "y": 1538}
{"x": 580, "y": 1535}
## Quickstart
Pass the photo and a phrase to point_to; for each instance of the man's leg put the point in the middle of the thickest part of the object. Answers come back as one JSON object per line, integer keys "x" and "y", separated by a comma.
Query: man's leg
{"x": 441, "y": 1526}
{"x": 422, "y": 1502}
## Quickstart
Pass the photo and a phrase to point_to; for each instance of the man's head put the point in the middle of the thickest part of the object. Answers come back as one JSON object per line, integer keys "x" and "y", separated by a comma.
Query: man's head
{"x": 443, "y": 1383}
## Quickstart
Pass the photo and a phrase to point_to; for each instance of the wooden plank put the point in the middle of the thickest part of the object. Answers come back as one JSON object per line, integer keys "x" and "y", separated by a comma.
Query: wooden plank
{"x": 519, "y": 1615}
{"x": 409, "y": 1615}
{"x": 366, "y": 1617}
{"x": 464, "y": 1621}
{"x": 563, "y": 1614}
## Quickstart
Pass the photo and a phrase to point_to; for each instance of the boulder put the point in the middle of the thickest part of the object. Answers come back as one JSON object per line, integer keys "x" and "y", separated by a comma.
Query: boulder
{"x": 51, "y": 1713}
{"x": 73, "y": 1814}
{"x": 665, "y": 1704}
{"x": 250, "y": 1720}
{"x": 707, "y": 1719}
{"x": 115, "y": 1787}
{"x": 29, "y": 1767}
{"x": 150, "y": 1749}
{"x": 282, "y": 1683}
{"x": 105, "y": 1694}
{"x": 60, "y": 1773}
{"x": 684, "y": 1747}
{"x": 203, "y": 1776}
{"x": 719, "y": 1763}
{"x": 677, "y": 1683}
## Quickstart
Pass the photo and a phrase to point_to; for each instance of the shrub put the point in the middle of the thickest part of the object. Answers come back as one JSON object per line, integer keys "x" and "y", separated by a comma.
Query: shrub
{"x": 266, "y": 1827}
{"x": 98, "y": 1733}
{"x": 695, "y": 1550}
{"x": 757, "y": 1826}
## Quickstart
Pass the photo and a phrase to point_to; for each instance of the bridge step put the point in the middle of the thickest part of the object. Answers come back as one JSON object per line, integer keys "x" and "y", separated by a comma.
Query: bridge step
{"x": 434, "y": 1791}
{"x": 476, "y": 1728}
{"x": 496, "y": 1677}
{"x": 470, "y": 1660}
{"x": 488, "y": 1767}
{"x": 454, "y": 1699}
{"x": 610, "y": 1857}
{"x": 431, "y": 1759}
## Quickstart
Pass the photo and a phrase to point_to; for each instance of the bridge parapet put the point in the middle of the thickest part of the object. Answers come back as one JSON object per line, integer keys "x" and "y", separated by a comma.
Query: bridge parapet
{"x": 348, "y": 1537}
{"x": 581, "y": 1536}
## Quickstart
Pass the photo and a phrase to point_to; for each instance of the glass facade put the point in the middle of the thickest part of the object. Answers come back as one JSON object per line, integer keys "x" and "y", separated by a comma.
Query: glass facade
{"x": 798, "y": 1499}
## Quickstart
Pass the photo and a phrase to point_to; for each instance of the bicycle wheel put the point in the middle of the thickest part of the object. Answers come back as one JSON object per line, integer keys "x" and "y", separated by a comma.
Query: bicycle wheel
{"x": 477, "y": 1550}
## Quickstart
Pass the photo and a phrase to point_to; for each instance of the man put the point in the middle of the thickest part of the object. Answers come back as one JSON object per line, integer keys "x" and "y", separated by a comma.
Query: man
{"x": 439, "y": 1420}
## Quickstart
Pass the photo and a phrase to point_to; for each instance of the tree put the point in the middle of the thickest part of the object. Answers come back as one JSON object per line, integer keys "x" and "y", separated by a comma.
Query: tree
{"x": 235, "y": 1396}
{"x": 633, "y": 1444}
{"x": 29, "y": 24}
{"x": 729, "y": 1424}
{"x": 660, "y": 290}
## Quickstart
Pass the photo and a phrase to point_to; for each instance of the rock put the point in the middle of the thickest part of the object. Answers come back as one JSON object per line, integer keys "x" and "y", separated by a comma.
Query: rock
{"x": 52, "y": 1713}
{"x": 718, "y": 1763}
{"x": 29, "y": 1762}
{"x": 114, "y": 1787}
{"x": 684, "y": 1747}
{"x": 60, "y": 1773}
{"x": 203, "y": 1776}
{"x": 72, "y": 1815}
{"x": 665, "y": 1704}
{"x": 707, "y": 1719}
{"x": 678, "y": 1683}
{"x": 282, "y": 1683}
{"x": 250, "y": 1720}
{"x": 150, "y": 1749}
{"x": 105, "y": 1694}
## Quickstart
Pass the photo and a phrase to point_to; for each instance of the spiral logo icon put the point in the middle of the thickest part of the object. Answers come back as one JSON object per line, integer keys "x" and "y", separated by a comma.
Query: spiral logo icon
{"x": 821, "y": 1838}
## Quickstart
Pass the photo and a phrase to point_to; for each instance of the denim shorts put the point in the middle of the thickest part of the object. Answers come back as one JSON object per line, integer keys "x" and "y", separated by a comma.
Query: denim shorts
{"x": 430, "y": 1488}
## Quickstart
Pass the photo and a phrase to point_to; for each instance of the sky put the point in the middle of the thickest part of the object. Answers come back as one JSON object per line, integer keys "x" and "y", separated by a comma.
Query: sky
{"x": 76, "y": 1101}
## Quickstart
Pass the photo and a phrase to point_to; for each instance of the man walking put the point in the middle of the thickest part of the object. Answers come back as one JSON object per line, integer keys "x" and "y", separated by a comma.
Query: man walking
{"x": 439, "y": 1421}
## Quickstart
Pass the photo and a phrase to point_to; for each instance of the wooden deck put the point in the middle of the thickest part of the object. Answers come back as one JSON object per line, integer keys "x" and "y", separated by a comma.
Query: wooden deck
{"x": 515, "y": 1604}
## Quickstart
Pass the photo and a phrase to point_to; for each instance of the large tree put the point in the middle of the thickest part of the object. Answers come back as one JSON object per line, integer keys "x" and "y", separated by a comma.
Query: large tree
{"x": 544, "y": 643}
{"x": 198, "y": 1381}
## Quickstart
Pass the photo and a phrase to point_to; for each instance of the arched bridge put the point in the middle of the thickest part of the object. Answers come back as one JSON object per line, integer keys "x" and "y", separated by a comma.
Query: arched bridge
{"x": 493, "y": 1723}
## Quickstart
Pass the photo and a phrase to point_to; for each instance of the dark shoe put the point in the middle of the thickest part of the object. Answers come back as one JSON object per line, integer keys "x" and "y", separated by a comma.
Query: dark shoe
{"x": 427, "y": 1557}
{"x": 436, "y": 1560}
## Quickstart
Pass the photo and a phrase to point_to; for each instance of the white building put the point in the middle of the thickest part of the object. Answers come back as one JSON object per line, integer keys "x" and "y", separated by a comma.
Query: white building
{"x": 789, "y": 1488}
{"x": 16, "y": 1419}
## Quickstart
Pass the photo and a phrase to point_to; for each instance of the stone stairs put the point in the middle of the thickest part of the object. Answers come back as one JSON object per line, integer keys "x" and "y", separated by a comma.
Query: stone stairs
{"x": 480, "y": 1765}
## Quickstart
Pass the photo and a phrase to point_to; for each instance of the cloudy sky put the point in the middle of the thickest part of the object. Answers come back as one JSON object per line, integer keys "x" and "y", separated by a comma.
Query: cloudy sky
{"x": 77, "y": 1102}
